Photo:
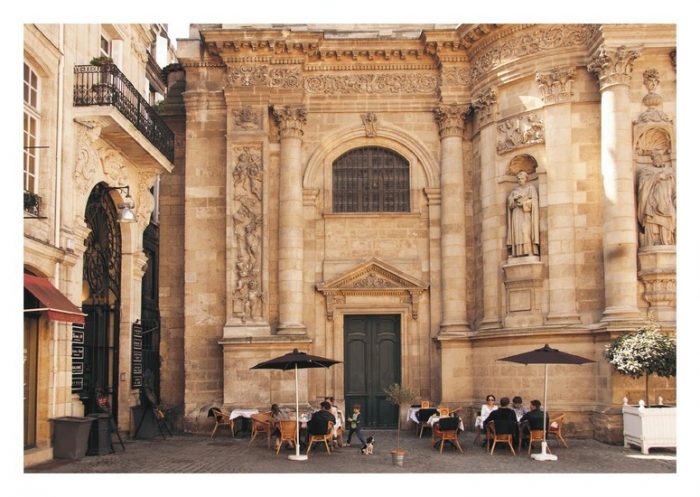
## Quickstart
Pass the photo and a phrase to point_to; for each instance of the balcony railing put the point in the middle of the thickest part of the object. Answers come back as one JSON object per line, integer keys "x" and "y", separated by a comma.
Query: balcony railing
{"x": 107, "y": 85}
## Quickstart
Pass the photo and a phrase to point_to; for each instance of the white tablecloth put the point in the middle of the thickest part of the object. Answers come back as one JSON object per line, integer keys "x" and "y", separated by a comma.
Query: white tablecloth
{"x": 435, "y": 417}
{"x": 412, "y": 414}
{"x": 242, "y": 413}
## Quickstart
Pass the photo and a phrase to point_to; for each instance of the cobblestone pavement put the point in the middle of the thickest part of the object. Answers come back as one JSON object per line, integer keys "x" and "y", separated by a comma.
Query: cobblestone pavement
{"x": 184, "y": 453}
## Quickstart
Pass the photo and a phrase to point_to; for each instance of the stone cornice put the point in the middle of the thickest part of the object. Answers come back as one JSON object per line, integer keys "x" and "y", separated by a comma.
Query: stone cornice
{"x": 613, "y": 66}
{"x": 290, "y": 119}
{"x": 450, "y": 119}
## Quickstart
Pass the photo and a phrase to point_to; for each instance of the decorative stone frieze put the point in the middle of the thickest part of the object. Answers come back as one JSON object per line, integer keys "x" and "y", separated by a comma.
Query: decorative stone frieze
{"x": 247, "y": 119}
{"x": 614, "y": 66}
{"x": 381, "y": 84}
{"x": 539, "y": 39}
{"x": 247, "y": 228}
{"x": 369, "y": 121}
{"x": 373, "y": 278}
{"x": 556, "y": 85}
{"x": 457, "y": 76}
{"x": 485, "y": 105}
{"x": 290, "y": 119}
{"x": 145, "y": 201}
{"x": 519, "y": 132}
{"x": 242, "y": 76}
{"x": 87, "y": 156}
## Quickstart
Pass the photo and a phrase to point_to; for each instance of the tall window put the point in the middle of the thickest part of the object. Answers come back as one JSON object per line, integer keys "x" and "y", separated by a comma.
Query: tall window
{"x": 371, "y": 179}
{"x": 31, "y": 129}
{"x": 105, "y": 47}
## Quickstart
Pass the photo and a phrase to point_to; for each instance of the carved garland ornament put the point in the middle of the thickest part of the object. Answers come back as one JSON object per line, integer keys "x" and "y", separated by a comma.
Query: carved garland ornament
{"x": 242, "y": 76}
{"x": 556, "y": 85}
{"x": 519, "y": 132}
{"x": 372, "y": 83}
{"x": 247, "y": 118}
{"x": 247, "y": 228}
{"x": 88, "y": 157}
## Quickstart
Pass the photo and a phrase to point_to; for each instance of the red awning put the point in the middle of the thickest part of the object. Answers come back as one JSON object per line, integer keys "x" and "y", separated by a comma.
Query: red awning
{"x": 58, "y": 306}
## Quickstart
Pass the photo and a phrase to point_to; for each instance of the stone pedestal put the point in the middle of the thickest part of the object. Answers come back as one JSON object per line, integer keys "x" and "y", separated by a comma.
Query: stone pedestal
{"x": 657, "y": 271}
{"x": 523, "y": 282}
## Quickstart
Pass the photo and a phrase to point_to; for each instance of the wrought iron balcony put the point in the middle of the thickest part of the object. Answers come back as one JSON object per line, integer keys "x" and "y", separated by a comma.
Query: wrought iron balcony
{"x": 107, "y": 85}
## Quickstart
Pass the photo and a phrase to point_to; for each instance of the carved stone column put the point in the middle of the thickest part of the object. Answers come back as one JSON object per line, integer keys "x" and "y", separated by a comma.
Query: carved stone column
{"x": 291, "y": 119}
{"x": 613, "y": 68}
{"x": 491, "y": 244}
{"x": 557, "y": 93}
{"x": 450, "y": 119}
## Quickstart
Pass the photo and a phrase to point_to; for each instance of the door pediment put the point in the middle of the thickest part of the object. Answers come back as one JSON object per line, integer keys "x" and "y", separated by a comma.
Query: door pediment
{"x": 374, "y": 277}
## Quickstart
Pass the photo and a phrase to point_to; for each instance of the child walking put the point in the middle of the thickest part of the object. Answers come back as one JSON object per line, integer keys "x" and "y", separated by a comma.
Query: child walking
{"x": 356, "y": 425}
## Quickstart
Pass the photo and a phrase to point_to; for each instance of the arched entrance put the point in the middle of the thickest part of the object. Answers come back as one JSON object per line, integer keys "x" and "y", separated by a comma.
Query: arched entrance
{"x": 101, "y": 299}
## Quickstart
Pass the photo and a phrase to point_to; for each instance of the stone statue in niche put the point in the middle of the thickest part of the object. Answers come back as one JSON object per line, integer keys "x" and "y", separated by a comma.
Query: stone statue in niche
{"x": 523, "y": 219}
{"x": 656, "y": 202}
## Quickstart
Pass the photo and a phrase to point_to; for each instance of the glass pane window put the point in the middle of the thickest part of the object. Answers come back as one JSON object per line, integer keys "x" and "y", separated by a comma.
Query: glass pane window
{"x": 31, "y": 128}
{"x": 371, "y": 179}
{"x": 105, "y": 47}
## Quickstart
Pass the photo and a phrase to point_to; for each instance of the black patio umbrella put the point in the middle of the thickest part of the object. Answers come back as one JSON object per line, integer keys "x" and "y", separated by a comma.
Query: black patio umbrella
{"x": 546, "y": 355}
{"x": 296, "y": 360}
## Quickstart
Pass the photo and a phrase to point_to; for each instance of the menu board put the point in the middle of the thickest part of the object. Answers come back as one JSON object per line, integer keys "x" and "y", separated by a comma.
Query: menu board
{"x": 136, "y": 355}
{"x": 78, "y": 356}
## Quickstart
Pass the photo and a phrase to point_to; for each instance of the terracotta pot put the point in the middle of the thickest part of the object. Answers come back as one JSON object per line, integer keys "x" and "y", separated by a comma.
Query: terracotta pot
{"x": 397, "y": 456}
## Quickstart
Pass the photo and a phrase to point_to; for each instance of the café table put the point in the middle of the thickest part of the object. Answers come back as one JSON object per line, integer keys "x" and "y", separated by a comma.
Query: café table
{"x": 241, "y": 413}
{"x": 435, "y": 417}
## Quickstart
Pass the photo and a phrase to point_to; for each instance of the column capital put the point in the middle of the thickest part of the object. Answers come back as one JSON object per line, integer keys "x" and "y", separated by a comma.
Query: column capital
{"x": 450, "y": 119}
{"x": 556, "y": 85}
{"x": 485, "y": 104}
{"x": 613, "y": 66}
{"x": 290, "y": 119}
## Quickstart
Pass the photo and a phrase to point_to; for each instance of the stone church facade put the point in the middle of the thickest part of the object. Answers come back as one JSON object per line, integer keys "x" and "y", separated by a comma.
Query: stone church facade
{"x": 417, "y": 202}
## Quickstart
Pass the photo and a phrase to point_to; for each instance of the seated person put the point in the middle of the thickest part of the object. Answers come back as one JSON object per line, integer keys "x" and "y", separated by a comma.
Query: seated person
{"x": 486, "y": 409}
{"x": 518, "y": 407}
{"x": 533, "y": 419}
{"x": 318, "y": 424}
{"x": 277, "y": 415}
{"x": 504, "y": 419}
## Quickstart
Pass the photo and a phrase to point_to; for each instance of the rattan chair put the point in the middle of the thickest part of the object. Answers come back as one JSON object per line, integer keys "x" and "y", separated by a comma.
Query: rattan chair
{"x": 221, "y": 418}
{"x": 443, "y": 411}
{"x": 288, "y": 432}
{"x": 424, "y": 404}
{"x": 262, "y": 424}
{"x": 423, "y": 415}
{"x": 556, "y": 425}
{"x": 536, "y": 436}
{"x": 328, "y": 437}
{"x": 446, "y": 430}
{"x": 493, "y": 438}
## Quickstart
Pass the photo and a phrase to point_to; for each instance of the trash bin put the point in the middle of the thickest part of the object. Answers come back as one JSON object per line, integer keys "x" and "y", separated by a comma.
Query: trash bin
{"x": 70, "y": 437}
{"x": 100, "y": 441}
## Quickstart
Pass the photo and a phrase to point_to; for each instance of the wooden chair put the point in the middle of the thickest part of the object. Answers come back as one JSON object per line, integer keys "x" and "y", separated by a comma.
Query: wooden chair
{"x": 422, "y": 416}
{"x": 221, "y": 418}
{"x": 446, "y": 430}
{"x": 288, "y": 432}
{"x": 556, "y": 425}
{"x": 443, "y": 412}
{"x": 535, "y": 436}
{"x": 493, "y": 438}
{"x": 262, "y": 423}
{"x": 328, "y": 437}
{"x": 455, "y": 411}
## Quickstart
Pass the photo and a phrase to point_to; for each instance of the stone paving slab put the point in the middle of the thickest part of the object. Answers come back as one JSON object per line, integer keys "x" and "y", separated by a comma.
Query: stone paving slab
{"x": 185, "y": 453}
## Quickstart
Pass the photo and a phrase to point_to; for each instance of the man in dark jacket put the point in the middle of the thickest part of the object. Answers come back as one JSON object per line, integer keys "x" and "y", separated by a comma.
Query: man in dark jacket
{"x": 532, "y": 420}
{"x": 318, "y": 424}
{"x": 505, "y": 420}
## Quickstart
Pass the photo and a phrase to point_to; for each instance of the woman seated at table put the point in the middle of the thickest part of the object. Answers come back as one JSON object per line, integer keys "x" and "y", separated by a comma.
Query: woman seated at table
{"x": 278, "y": 415}
{"x": 486, "y": 409}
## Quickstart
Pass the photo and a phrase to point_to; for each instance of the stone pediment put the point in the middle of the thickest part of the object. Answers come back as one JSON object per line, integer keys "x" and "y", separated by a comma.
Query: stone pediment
{"x": 374, "y": 277}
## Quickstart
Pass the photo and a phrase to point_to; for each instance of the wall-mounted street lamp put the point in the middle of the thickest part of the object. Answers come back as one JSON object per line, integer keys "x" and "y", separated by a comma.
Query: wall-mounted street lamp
{"x": 126, "y": 214}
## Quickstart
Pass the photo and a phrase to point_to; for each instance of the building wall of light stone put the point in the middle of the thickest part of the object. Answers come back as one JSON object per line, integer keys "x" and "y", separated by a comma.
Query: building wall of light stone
{"x": 74, "y": 159}
{"x": 463, "y": 105}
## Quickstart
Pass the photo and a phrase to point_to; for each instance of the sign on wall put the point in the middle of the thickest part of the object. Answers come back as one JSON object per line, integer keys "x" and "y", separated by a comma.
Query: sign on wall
{"x": 136, "y": 355}
{"x": 78, "y": 356}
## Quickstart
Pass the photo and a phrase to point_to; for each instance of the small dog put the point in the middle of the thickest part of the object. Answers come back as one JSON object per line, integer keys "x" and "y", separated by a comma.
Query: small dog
{"x": 368, "y": 448}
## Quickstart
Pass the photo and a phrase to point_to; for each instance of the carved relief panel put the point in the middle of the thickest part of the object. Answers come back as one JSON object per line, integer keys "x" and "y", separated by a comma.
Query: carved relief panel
{"x": 247, "y": 232}
{"x": 519, "y": 132}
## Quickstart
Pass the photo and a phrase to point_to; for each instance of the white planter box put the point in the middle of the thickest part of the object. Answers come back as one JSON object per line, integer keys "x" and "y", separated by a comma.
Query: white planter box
{"x": 649, "y": 427}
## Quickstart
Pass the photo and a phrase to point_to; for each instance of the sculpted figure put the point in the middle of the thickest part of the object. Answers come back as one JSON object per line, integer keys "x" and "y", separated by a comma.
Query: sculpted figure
{"x": 656, "y": 202}
{"x": 523, "y": 219}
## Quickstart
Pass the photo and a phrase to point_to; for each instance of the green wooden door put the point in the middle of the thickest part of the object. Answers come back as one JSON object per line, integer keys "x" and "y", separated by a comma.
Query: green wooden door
{"x": 372, "y": 362}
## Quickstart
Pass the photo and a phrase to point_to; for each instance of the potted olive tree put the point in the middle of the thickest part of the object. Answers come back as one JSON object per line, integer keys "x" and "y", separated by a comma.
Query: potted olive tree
{"x": 399, "y": 396}
{"x": 646, "y": 352}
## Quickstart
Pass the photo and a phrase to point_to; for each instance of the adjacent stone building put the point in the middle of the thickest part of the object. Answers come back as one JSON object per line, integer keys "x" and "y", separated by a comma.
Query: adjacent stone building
{"x": 417, "y": 202}
{"x": 94, "y": 148}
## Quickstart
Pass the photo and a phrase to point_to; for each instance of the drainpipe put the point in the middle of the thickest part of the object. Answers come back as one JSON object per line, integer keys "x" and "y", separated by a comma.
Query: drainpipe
{"x": 57, "y": 206}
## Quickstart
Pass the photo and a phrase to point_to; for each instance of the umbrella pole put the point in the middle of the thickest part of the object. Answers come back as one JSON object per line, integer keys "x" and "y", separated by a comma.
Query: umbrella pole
{"x": 297, "y": 457}
{"x": 544, "y": 456}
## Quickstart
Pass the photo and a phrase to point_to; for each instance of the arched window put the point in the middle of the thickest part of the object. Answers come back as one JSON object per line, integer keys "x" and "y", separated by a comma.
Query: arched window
{"x": 371, "y": 179}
